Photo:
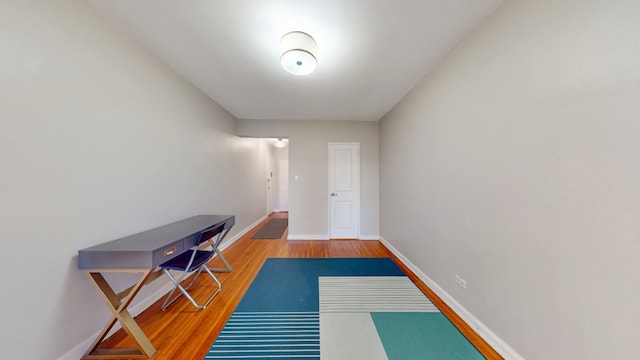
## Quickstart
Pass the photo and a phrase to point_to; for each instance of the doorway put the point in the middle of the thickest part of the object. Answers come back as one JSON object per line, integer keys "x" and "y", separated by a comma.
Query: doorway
{"x": 280, "y": 173}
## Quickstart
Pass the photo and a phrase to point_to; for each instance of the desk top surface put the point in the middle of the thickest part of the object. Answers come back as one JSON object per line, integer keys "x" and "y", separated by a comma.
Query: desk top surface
{"x": 152, "y": 240}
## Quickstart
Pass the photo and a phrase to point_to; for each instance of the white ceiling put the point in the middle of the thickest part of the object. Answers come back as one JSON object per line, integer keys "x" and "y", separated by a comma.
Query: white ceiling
{"x": 370, "y": 52}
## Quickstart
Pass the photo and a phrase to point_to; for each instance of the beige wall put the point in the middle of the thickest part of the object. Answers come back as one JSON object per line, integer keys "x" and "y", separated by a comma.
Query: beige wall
{"x": 98, "y": 140}
{"x": 516, "y": 165}
{"x": 308, "y": 159}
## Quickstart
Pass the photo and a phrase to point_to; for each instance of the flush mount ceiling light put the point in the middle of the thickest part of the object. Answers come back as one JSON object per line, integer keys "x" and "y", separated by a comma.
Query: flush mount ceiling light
{"x": 280, "y": 144}
{"x": 297, "y": 53}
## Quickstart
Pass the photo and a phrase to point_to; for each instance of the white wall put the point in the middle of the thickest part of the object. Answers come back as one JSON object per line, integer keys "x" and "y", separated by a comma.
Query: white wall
{"x": 516, "y": 164}
{"x": 308, "y": 159}
{"x": 98, "y": 140}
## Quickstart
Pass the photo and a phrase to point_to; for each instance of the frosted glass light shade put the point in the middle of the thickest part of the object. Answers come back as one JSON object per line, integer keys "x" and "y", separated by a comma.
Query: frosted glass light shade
{"x": 280, "y": 144}
{"x": 297, "y": 53}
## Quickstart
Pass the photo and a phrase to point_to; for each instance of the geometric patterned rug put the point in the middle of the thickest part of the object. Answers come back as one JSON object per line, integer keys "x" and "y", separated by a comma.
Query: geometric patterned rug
{"x": 337, "y": 309}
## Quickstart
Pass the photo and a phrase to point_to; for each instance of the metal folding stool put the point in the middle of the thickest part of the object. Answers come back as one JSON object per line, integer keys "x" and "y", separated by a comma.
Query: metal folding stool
{"x": 190, "y": 261}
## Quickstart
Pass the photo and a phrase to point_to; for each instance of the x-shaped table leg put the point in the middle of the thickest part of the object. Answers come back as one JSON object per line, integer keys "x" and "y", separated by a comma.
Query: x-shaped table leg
{"x": 118, "y": 306}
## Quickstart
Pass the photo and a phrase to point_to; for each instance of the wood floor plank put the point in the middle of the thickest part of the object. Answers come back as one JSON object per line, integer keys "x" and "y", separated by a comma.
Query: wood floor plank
{"x": 184, "y": 333}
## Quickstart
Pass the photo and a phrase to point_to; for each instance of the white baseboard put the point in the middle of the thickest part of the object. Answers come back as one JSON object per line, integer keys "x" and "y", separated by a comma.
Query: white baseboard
{"x": 489, "y": 336}
{"x": 307, "y": 237}
{"x": 78, "y": 351}
{"x": 369, "y": 237}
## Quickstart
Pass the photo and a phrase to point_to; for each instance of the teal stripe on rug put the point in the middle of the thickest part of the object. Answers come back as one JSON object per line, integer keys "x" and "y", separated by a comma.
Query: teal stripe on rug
{"x": 292, "y": 284}
{"x": 422, "y": 336}
{"x": 264, "y": 335}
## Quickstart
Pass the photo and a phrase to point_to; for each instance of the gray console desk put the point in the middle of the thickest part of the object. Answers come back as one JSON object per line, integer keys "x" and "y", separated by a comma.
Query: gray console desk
{"x": 141, "y": 253}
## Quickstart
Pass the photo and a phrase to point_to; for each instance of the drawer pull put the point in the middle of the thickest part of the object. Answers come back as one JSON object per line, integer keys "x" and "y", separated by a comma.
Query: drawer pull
{"x": 169, "y": 251}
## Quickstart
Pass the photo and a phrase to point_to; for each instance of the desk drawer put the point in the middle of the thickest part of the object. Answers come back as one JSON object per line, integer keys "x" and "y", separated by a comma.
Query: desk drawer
{"x": 169, "y": 251}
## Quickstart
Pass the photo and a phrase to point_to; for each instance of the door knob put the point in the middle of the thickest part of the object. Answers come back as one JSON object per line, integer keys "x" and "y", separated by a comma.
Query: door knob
{"x": 333, "y": 194}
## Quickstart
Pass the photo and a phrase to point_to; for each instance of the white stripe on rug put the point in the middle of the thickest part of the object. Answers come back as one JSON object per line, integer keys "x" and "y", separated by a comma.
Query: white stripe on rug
{"x": 267, "y": 335}
{"x": 371, "y": 294}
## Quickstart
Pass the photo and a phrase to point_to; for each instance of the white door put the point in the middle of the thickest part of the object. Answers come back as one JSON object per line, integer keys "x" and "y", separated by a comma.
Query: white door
{"x": 283, "y": 185}
{"x": 344, "y": 190}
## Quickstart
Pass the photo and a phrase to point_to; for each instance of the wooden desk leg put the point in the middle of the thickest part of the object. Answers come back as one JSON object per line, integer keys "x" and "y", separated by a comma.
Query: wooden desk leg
{"x": 120, "y": 313}
{"x": 227, "y": 267}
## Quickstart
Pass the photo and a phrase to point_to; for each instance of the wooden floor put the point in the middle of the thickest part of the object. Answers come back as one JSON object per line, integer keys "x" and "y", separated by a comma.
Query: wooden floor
{"x": 182, "y": 332}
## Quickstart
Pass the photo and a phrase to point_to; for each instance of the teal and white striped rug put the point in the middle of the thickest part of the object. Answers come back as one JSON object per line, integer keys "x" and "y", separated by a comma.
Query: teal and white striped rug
{"x": 337, "y": 309}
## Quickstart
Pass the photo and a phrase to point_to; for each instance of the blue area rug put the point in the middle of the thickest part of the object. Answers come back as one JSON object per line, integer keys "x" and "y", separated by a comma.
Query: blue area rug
{"x": 355, "y": 308}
